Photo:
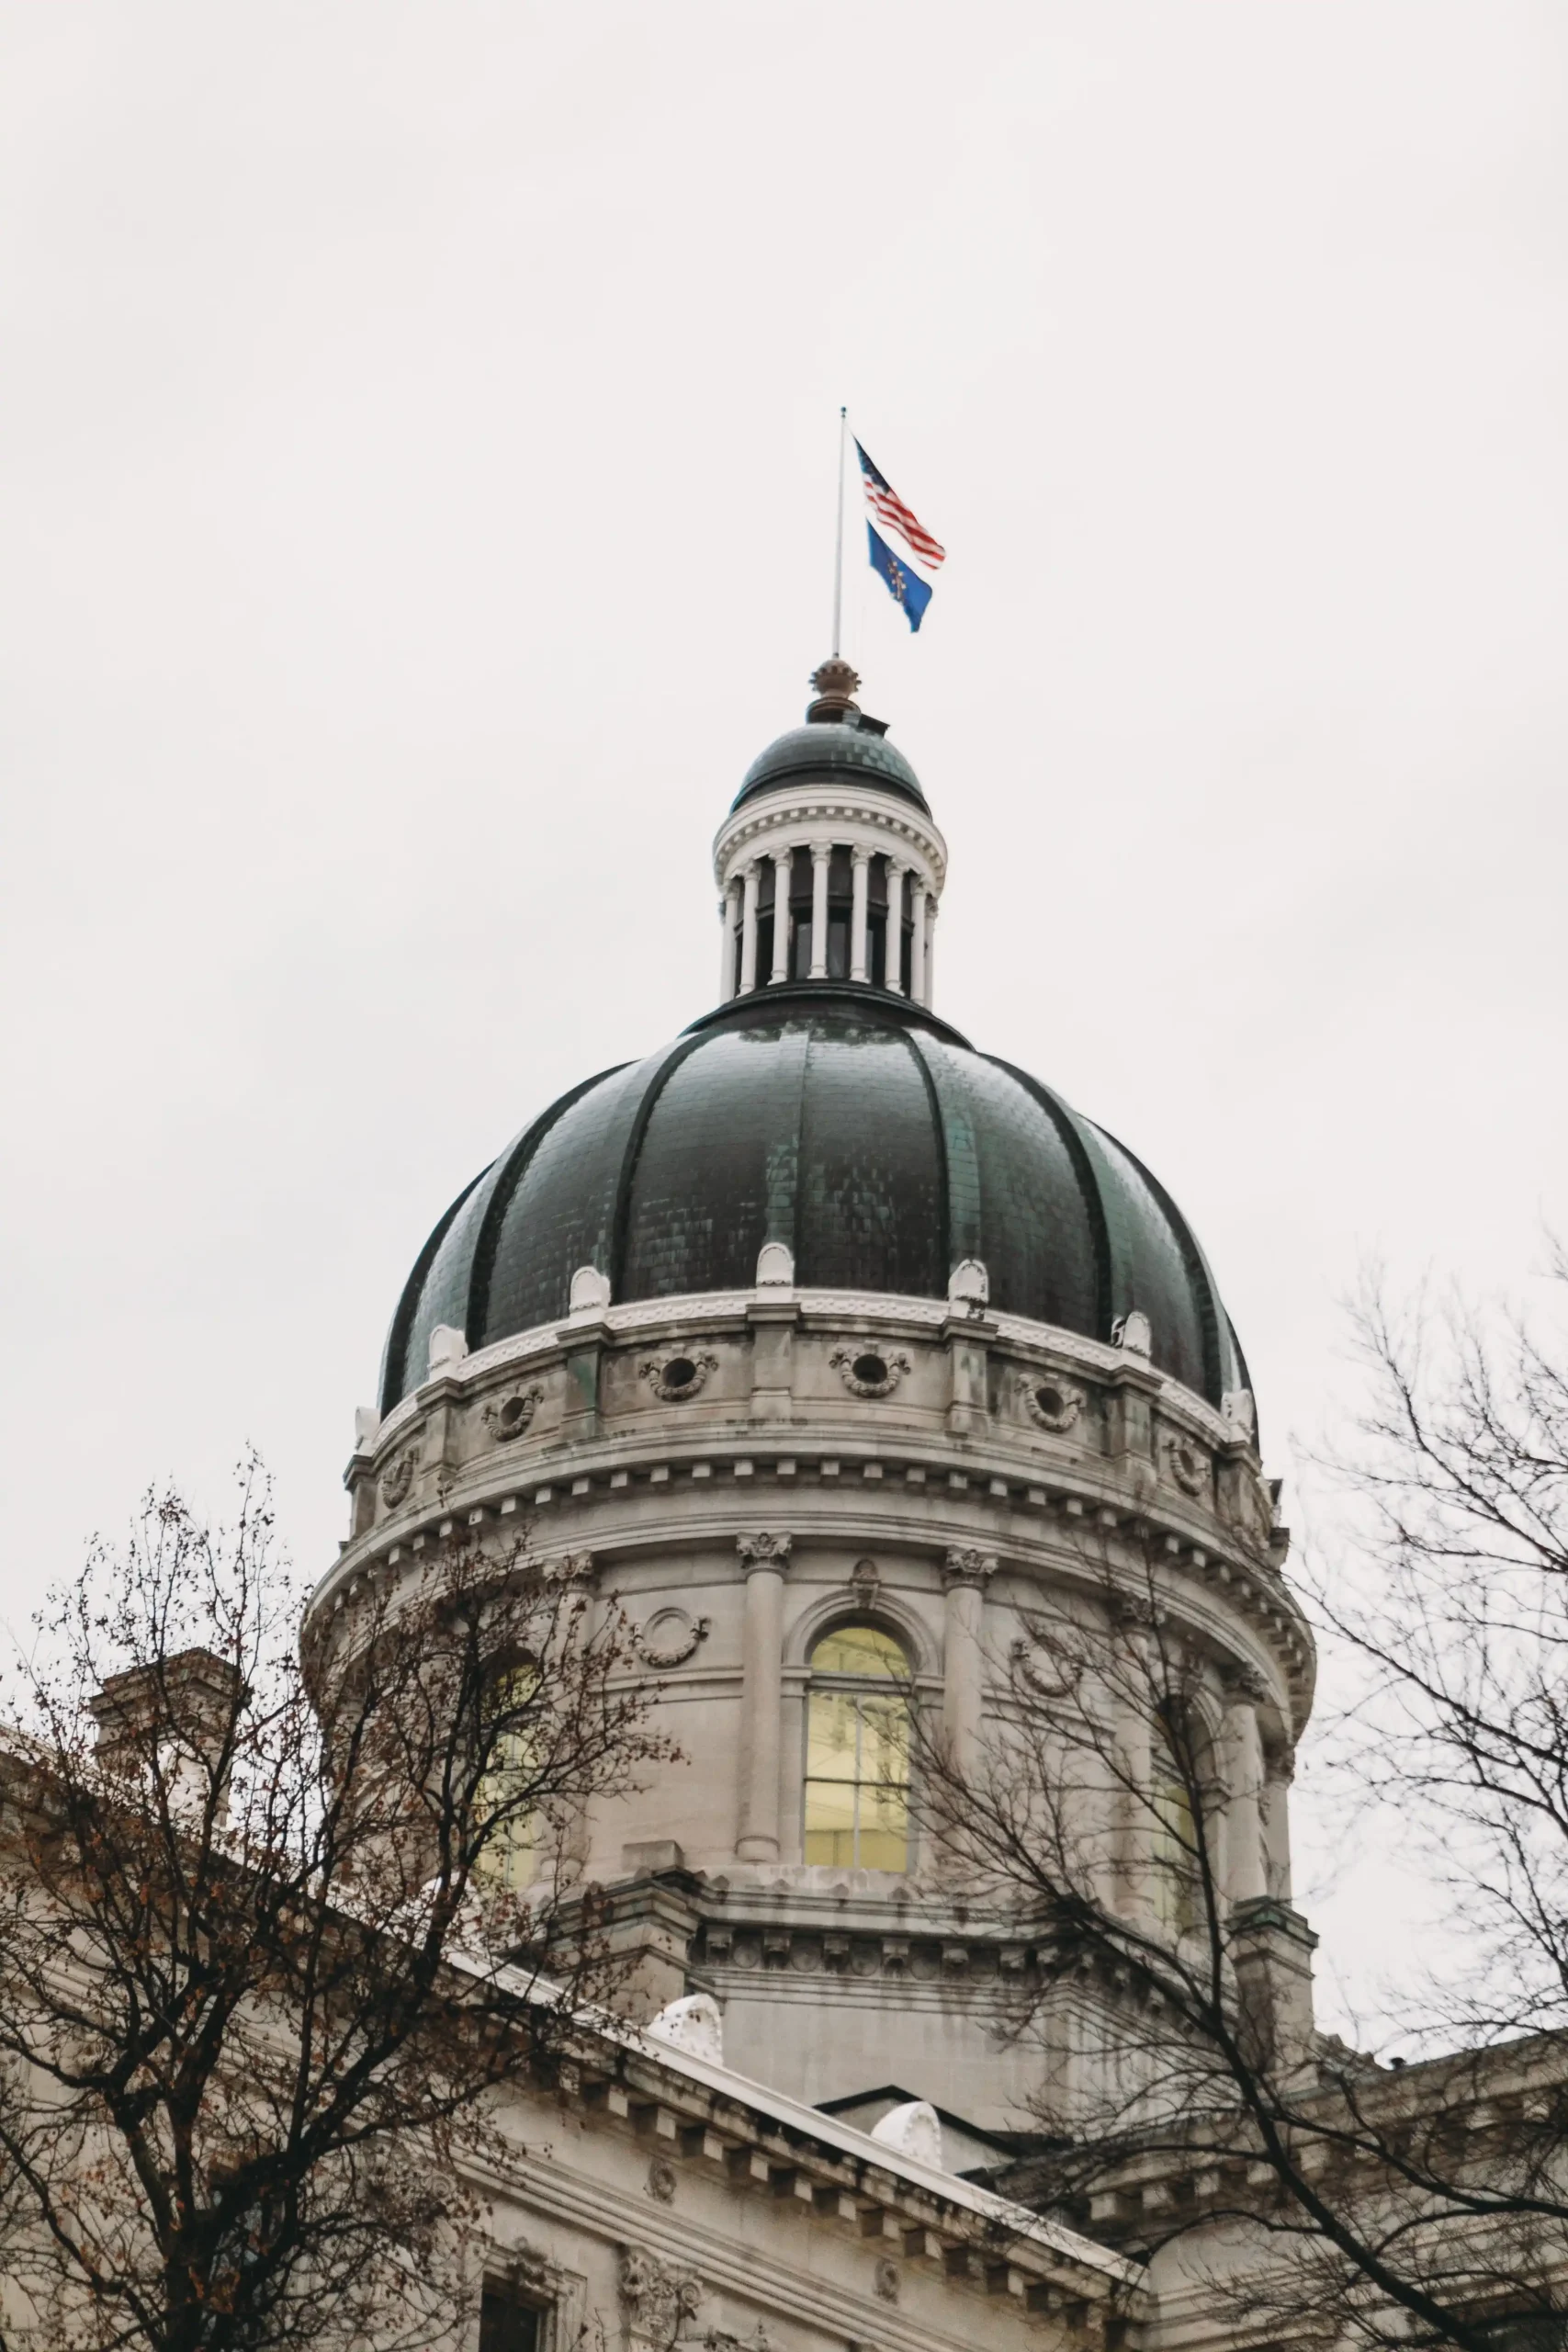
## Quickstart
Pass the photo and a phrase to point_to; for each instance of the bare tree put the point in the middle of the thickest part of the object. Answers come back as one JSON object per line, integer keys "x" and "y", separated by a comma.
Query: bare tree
{"x": 274, "y": 1931}
{"x": 1186, "y": 2109}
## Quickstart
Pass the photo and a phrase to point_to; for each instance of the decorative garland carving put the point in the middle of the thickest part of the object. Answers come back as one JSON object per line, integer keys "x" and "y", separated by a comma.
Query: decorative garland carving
{"x": 659, "y": 2299}
{"x": 866, "y": 1371}
{"x": 1053, "y": 1405}
{"x": 675, "y": 1378}
{"x": 513, "y": 1414}
{"x": 1027, "y": 1649}
{"x": 887, "y": 2277}
{"x": 396, "y": 1482}
{"x": 684, "y": 1633}
{"x": 1188, "y": 1466}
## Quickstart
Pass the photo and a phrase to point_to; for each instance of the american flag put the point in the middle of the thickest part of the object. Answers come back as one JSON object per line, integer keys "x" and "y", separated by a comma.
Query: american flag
{"x": 888, "y": 508}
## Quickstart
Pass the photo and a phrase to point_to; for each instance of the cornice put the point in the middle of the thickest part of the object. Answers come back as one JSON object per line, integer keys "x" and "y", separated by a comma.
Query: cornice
{"x": 882, "y": 813}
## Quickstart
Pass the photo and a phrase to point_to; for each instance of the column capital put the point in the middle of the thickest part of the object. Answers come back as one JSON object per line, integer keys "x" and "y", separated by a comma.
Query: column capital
{"x": 962, "y": 1567}
{"x": 763, "y": 1551}
{"x": 822, "y": 853}
{"x": 862, "y": 853}
{"x": 1245, "y": 1686}
{"x": 573, "y": 1568}
{"x": 783, "y": 856}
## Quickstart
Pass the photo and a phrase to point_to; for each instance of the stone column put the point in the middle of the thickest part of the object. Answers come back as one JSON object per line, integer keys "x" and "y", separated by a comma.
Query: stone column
{"x": 782, "y": 859}
{"x": 965, "y": 1576}
{"x": 727, "y": 907}
{"x": 748, "y": 931}
{"x": 1278, "y": 1772}
{"x": 857, "y": 924}
{"x": 763, "y": 1562}
{"x": 930, "y": 950}
{"x": 1242, "y": 1752}
{"x": 1134, "y": 1889}
{"x": 893, "y": 958}
{"x": 578, "y": 1576}
{"x": 821, "y": 859}
{"x": 918, "y": 943}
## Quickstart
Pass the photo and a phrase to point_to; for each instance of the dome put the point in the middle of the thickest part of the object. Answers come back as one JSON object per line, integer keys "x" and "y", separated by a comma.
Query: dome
{"x": 847, "y": 750}
{"x": 856, "y": 1128}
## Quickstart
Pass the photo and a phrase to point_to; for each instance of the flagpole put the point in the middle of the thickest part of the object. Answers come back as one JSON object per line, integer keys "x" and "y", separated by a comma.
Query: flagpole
{"x": 839, "y": 541}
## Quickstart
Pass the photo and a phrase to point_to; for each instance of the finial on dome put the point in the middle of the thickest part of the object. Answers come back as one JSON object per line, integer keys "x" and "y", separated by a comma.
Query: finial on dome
{"x": 836, "y": 685}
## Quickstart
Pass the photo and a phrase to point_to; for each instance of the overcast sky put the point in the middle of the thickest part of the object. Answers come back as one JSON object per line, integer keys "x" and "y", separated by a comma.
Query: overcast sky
{"x": 418, "y": 468}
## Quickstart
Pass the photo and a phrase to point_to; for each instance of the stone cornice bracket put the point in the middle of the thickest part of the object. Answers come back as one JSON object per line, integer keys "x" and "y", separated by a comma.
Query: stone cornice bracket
{"x": 963, "y": 1567}
{"x": 763, "y": 1551}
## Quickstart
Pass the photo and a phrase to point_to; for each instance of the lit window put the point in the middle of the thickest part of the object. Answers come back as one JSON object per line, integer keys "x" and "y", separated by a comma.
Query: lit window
{"x": 511, "y": 1856}
{"x": 857, "y": 1751}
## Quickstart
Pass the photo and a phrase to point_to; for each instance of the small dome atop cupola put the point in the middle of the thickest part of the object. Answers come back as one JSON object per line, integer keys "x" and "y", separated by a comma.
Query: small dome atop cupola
{"x": 838, "y": 742}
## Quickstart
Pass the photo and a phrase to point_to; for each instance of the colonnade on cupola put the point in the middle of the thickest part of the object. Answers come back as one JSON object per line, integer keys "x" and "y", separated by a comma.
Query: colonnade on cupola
{"x": 829, "y": 879}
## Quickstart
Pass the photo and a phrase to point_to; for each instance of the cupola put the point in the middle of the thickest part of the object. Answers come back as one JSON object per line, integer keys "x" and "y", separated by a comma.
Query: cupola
{"x": 828, "y": 866}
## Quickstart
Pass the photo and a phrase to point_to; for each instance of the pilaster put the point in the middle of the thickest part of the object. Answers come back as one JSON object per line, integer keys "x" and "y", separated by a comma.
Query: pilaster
{"x": 764, "y": 1561}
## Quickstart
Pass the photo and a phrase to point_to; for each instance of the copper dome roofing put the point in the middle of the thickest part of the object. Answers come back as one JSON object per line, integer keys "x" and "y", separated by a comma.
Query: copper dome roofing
{"x": 858, "y": 1130}
{"x": 836, "y": 750}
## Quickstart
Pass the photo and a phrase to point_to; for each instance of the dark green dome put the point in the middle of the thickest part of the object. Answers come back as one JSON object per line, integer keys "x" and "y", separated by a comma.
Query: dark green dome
{"x": 860, "y": 1130}
{"x": 835, "y": 750}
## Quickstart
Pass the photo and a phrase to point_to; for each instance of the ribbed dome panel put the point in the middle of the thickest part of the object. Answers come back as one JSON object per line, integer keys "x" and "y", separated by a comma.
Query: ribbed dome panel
{"x": 1018, "y": 1200}
{"x": 870, "y": 1179}
{"x": 562, "y": 1214}
{"x": 716, "y": 1170}
{"x": 1151, "y": 1269}
{"x": 852, "y": 1126}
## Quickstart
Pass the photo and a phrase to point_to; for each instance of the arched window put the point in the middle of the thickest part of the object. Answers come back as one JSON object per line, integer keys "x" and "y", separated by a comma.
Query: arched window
{"x": 1174, "y": 1844}
{"x": 857, "y": 1751}
{"x": 511, "y": 1856}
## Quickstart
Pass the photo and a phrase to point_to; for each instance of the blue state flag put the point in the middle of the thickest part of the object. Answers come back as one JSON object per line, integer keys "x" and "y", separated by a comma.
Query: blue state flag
{"x": 905, "y": 587}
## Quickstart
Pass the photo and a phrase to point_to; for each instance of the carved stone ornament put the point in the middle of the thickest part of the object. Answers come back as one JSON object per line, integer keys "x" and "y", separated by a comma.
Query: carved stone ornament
{"x": 1036, "y": 1665}
{"x": 1245, "y": 1687}
{"x": 867, "y": 1371}
{"x": 1051, "y": 1404}
{"x": 764, "y": 1551}
{"x": 573, "y": 1568}
{"x": 1240, "y": 1414}
{"x": 668, "y": 1638}
{"x": 396, "y": 1482}
{"x": 866, "y": 1583}
{"x": 510, "y": 1416}
{"x": 968, "y": 1567}
{"x": 658, "y": 2299}
{"x": 661, "y": 2180}
{"x": 886, "y": 2279}
{"x": 1188, "y": 1466}
{"x": 675, "y": 1378}
{"x": 1134, "y": 1334}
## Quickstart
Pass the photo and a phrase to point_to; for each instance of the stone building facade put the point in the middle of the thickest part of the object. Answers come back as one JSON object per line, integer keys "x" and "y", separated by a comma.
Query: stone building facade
{"x": 818, "y": 1341}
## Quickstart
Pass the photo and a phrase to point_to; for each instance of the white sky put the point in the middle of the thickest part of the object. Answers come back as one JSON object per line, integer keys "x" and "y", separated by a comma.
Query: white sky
{"x": 417, "y": 469}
